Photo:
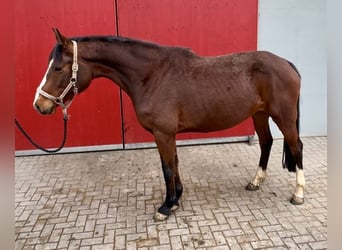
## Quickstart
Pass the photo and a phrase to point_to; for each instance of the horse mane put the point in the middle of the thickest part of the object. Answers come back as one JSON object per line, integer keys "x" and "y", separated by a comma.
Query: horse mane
{"x": 113, "y": 39}
{"x": 187, "y": 52}
{"x": 169, "y": 51}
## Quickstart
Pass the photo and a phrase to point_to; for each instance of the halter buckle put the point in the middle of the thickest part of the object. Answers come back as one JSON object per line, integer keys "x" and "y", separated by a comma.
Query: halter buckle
{"x": 75, "y": 67}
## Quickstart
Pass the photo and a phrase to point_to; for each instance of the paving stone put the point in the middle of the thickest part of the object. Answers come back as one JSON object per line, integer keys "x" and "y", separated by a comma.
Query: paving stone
{"x": 106, "y": 200}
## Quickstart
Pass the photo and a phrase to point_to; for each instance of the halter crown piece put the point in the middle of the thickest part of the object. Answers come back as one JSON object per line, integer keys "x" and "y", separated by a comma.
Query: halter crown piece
{"x": 72, "y": 84}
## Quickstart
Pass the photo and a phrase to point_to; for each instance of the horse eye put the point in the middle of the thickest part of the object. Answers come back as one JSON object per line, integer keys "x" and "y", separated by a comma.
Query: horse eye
{"x": 58, "y": 69}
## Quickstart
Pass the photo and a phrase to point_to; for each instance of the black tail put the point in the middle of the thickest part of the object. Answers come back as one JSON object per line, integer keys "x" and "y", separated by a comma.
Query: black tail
{"x": 288, "y": 159}
{"x": 295, "y": 68}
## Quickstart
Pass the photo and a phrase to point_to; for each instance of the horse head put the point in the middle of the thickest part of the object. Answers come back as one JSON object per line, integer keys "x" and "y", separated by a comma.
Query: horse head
{"x": 66, "y": 76}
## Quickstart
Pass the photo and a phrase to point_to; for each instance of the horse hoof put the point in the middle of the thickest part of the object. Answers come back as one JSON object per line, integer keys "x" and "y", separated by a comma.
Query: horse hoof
{"x": 160, "y": 217}
{"x": 251, "y": 187}
{"x": 297, "y": 200}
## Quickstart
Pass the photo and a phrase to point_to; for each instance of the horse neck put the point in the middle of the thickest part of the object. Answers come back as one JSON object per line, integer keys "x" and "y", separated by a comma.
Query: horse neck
{"x": 125, "y": 63}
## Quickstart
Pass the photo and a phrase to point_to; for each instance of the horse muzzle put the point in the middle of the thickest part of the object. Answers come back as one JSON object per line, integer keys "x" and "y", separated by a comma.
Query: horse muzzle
{"x": 44, "y": 107}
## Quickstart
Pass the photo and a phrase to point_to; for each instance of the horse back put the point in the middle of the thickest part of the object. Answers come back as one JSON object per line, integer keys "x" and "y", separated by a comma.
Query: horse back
{"x": 206, "y": 94}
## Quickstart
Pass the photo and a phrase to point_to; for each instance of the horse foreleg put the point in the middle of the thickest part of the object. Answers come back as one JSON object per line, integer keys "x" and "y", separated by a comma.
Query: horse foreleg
{"x": 261, "y": 126}
{"x": 167, "y": 147}
{"x": 178, "y": 183}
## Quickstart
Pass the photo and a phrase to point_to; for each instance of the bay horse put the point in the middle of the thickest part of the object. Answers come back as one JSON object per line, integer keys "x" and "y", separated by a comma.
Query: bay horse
{"x": 175, "y": 90}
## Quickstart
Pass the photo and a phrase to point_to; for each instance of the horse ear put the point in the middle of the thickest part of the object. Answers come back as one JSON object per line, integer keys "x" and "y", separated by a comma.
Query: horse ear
{"x": 61, "y": 40}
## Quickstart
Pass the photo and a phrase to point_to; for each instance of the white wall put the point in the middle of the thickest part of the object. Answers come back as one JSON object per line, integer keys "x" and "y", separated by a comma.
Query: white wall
{"x": 296, "y": 30}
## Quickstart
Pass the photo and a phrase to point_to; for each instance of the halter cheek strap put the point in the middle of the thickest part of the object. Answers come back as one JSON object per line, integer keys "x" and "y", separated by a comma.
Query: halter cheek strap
{"x": 72, "y": 84}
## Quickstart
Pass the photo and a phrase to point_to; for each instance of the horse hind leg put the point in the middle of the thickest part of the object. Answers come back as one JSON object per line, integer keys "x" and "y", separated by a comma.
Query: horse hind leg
{"x": 262, "y": 129}
{"x": 293, "y": 161}
{"x": 293, "y": 155}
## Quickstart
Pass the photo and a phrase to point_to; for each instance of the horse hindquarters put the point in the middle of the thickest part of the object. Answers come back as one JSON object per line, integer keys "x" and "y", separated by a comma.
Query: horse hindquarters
{"x": 279, "y": 88}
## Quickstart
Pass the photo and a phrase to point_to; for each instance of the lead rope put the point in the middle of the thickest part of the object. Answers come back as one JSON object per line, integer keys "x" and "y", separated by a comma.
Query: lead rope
{"x": 58, "y": 101}
{"x": 50, "y": 151}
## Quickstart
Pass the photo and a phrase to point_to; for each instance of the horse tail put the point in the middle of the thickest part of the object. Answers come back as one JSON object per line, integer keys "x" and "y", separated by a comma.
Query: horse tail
{"x": 288, "y": 159}
{"x": 295, "y": 68}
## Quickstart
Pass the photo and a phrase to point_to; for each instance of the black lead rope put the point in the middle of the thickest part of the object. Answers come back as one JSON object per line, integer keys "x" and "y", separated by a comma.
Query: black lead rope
{"x": 50, "y": 151}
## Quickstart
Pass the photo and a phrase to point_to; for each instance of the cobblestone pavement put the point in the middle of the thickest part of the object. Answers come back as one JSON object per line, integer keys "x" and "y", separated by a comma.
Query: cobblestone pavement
{"x": 106, "y": 200}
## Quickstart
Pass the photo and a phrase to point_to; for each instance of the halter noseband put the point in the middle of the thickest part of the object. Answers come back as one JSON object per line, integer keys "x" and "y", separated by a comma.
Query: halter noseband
{"x": 72, "y": 84}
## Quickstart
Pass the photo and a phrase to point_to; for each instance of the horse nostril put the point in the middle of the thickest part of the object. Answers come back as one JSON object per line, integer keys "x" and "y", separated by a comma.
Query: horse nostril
{"x": 37, "y": 108}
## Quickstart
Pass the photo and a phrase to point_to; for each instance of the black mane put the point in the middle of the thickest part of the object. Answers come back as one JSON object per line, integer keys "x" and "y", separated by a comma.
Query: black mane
{"x": 113, "y": 39}
{"x": 57, "y": 51}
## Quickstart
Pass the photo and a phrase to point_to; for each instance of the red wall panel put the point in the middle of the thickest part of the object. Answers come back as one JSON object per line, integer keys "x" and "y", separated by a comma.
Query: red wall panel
{"x": 95, "y": 114}
{"x": 208, "y": 27}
